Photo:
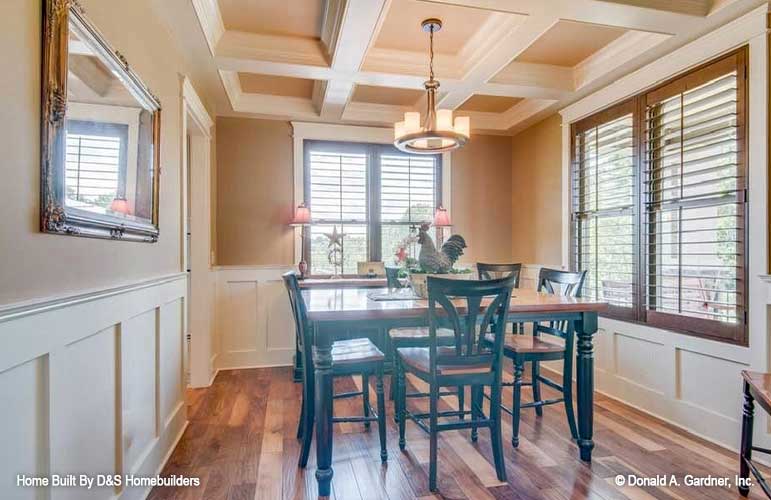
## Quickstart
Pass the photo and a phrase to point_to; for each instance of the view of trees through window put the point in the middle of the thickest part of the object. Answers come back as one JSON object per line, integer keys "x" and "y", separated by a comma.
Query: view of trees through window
{"x": 658, "y": 203}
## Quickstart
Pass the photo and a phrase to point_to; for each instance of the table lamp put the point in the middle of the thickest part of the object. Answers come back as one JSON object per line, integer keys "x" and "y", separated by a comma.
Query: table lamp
{"x": 301, "y": 219}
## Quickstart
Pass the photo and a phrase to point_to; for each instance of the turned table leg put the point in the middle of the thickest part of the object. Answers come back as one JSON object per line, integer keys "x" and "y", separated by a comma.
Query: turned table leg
{"x": 322, "y": 358}
{"x": 585, "y": 329}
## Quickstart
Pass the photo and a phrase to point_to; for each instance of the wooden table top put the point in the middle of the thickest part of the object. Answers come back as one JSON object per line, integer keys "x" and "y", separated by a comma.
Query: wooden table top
{"x": 328, "y": 304}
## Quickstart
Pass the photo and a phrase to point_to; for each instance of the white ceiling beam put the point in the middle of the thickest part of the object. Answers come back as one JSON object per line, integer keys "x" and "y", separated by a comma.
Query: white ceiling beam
{"x": 588, "y": 11}
{"x": 506, "y": 37}
{"x": 350, "y": 28}
{"x": 535, "y": 75}
{"x": 210, "y": 19}
{"x": 689, "y": 7}
{"x": 625, "y": 48}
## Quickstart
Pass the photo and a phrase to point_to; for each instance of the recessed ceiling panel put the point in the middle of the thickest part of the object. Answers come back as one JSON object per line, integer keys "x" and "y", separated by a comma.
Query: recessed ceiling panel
{"x": 386, "y": 95}
{"x": 401, "y": 29}
{"x": 489, "y": 103}
{"x": 567, "y": 43}
{"x": 274, "y": 17}
{"x": 252, "y": 83}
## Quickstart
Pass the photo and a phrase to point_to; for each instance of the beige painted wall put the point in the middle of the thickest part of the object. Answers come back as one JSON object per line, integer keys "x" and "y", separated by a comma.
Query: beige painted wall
{"x": 481, "y": 198}
{"x": 255, "y": 186}
{"x": 536, "y": 196}
{"x": 255, "y": 192}
{"x": 34, "y": 264}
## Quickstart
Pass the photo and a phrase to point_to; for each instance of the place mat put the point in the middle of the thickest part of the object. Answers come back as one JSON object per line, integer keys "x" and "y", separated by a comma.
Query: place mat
{"x": 403, "y": 294}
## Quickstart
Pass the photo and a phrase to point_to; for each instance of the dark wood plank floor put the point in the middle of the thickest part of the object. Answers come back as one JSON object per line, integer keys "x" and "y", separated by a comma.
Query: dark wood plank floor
{"x": 241, "y": 443}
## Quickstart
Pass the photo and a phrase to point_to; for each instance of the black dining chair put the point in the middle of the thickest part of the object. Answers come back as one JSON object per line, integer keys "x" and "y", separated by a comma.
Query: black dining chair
{"x": 495, "y": 271}
{"x": 349, "y": 357}
{"x": 533, "y": 348}
{"x": 469, "y": 362}
{"x": 392, "y": 277}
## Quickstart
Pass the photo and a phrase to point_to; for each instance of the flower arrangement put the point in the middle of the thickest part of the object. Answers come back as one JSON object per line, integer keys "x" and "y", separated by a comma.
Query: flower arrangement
{"x": 401, "y": 252}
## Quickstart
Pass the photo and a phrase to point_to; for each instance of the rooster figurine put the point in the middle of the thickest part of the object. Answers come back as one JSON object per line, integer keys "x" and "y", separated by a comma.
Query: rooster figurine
{"x": 438, "y": 262}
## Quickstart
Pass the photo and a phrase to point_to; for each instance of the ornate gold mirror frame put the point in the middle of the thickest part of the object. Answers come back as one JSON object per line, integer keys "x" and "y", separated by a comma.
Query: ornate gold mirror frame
{"x": 56, "y": 216}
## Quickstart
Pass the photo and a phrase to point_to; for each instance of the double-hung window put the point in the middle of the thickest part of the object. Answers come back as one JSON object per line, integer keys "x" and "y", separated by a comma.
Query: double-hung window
{"x": 372, "y": 194}
{"x": 659, "y": 203}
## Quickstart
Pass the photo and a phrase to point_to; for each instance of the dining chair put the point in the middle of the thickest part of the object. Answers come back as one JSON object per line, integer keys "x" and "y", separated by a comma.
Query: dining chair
{"x": 533, "y": 348}
{"x": 468, "y": 362}
{"x": 494, "y": 271}
{"x": 357, "y": 356}
{"x": 392, "y": 277}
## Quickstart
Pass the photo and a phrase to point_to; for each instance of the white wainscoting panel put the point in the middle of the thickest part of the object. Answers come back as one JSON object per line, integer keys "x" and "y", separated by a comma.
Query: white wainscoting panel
{"x": 95, "y": 382}
{"x": 254, "y": 321}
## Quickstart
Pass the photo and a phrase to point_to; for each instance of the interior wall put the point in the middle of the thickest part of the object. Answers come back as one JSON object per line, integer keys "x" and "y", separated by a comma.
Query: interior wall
{"x": 46, "y": 264}
{"x": 536, "y": 200}
{"x": 481, "y": 198}
{"x": 255, "y": 186}
{"x": 254, "y": 192}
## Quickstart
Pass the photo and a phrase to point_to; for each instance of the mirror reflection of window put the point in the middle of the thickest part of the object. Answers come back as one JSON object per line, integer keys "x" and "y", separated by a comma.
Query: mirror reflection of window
{"x": 96, "y": 166}
{"x": 109, "y": 155}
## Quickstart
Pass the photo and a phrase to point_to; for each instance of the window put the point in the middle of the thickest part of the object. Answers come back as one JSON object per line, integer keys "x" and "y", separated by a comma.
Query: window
{"x": 659, "y": 203}
{"x": 96, "y": 163}
{"x": 373, "y": 194}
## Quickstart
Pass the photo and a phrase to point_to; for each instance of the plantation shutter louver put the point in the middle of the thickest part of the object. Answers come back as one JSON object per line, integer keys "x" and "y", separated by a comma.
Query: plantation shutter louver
{"x": 695, "y": 193}
{"x": 603, "y": 200}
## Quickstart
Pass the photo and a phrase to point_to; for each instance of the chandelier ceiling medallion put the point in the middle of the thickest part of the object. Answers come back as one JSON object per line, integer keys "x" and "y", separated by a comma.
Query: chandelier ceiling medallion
{"x": 438, "y": 133}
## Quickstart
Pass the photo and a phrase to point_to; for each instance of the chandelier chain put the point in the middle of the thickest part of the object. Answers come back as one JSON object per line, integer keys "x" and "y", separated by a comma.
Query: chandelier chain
{"x": 431, "y": 54}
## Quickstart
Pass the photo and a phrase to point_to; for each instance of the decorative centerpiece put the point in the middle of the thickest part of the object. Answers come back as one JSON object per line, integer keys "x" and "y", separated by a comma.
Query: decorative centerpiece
{"x": 433, "y": 262}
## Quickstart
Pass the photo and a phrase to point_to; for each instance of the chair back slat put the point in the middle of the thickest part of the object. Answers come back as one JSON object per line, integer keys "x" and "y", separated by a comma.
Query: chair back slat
{"x": 569, "y": 284}
{"x": 470, "y": 351}
{"x": 303, "y": 332}
{"x": 497, "y": 271}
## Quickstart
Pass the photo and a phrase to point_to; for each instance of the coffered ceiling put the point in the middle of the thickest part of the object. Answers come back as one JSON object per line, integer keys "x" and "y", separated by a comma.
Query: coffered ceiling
{"x": 505, "y": 63}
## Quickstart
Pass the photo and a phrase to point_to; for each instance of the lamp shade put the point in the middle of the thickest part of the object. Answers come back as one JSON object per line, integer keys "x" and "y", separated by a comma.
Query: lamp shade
{"x": 302, "y": 216}
{"x": 119, "y": 205}
{"x": 441, "y": 217}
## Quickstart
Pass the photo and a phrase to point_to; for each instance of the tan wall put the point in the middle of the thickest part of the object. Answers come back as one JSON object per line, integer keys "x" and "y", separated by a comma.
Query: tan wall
{"x": 34, "y": 264}
{"x": 481, "y": 198}
{"x": 536, "y": 196}
{"x": 255, "y": 192}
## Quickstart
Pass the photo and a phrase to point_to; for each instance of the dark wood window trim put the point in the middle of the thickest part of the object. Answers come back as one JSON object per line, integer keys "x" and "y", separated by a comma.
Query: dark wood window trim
{"x": 374, "y": 223}
{"x": 644, "y": 310}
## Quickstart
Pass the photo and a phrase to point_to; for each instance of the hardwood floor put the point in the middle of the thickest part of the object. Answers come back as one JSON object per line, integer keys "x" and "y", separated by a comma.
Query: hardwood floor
{"x": 241, "y": 444}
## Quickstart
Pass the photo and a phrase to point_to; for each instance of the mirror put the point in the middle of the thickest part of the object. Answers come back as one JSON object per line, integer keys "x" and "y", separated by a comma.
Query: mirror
{"x": 100, "y": 135}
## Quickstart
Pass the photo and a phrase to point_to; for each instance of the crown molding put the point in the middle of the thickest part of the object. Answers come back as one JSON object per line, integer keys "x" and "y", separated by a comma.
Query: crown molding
{"x": 210, "y": 19}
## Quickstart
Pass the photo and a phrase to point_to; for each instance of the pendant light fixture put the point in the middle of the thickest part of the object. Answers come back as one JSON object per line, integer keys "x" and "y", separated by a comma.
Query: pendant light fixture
{"x": 438, "y": 133}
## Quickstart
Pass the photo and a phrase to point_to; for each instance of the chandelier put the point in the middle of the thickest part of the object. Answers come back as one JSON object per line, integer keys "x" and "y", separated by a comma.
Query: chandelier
{"x": 438, "y": 132}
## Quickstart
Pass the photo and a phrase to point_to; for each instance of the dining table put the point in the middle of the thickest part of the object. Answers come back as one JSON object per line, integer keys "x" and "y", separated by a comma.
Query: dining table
{"x": 331, "y": 311}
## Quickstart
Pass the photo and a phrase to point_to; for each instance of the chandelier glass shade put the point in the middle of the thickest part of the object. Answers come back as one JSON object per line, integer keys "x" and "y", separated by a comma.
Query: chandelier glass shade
{"x": 438, "y": 132}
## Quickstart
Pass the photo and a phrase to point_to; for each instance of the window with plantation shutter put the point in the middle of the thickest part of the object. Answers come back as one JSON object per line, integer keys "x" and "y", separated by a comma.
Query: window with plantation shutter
{"x": 603, "y": 198}
{"x": 373, "y": 194}
{"x": 408, "y": 197}
{"x": 658, "y": 203}
{"x": 337, "y": 195}
{"x": 694, "y": 190}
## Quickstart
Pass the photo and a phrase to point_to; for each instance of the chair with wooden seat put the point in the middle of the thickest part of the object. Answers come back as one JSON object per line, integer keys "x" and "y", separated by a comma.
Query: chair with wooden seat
{"x": 418, "y": 336}
{"x": 349, "y": 357}
{"x": 495, "y": 271}
{"x": 469, "y": 362}
{"x": 535, "y": 349}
